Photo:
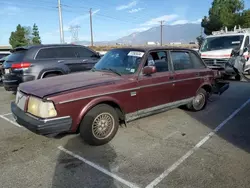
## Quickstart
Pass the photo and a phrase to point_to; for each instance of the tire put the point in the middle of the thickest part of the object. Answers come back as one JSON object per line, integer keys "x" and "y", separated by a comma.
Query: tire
{"x": 238, "y": 77}
{"x": 202, "y": 96}
{"x": 50, "y": 75}
{"x": 89, "y": 131}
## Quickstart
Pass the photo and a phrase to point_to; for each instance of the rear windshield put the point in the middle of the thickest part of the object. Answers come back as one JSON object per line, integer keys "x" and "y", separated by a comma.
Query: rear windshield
{"x": 16, "y": 56}
{"x": 3, "y": 55}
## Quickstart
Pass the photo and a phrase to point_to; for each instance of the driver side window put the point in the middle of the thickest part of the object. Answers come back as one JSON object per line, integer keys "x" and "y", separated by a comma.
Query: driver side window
{"x": 246, "y": 41}
{"x": 159, "y": 60}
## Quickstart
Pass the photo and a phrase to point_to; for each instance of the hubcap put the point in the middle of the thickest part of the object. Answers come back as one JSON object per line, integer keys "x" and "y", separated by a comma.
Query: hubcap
{"x": 199, "y": 101}
{"x": 103, "y": 125}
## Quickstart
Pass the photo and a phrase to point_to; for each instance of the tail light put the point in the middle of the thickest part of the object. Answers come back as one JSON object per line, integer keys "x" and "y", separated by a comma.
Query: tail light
{"x": 21, "y": 65}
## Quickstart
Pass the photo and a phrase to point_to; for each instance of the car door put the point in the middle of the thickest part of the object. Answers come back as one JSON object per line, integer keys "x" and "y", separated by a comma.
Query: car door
{"x": 68, "y": 57}
{"x": 155, "y": 90}
{"x": 187, "y": 77}
{"x": 87, "y": 57}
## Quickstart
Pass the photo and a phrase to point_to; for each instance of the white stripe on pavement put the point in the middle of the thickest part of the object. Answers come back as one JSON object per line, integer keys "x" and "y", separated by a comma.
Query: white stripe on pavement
{"x": 14, "y": 123}
{"x": 196, "y": 147}
{"x": 97, "y": 167}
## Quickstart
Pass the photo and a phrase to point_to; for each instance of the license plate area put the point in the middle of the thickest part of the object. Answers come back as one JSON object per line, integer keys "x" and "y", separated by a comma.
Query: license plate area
{"x": 7, "y": 71}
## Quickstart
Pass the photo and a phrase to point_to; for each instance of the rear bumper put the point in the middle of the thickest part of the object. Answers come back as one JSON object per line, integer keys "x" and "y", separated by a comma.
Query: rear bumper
{"x": 45, "y": 127}
{"x": 11, "y": 81}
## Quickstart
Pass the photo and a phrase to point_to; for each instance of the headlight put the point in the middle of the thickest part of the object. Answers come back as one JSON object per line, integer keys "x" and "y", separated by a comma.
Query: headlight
{"x": 41, "y": 109}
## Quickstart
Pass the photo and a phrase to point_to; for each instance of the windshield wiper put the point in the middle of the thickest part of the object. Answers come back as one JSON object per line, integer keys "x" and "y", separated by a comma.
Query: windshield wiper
{"x": 112, "y": 70}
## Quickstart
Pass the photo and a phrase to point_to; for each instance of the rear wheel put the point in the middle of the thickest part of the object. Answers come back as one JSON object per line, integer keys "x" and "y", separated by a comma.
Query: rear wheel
{"x": 99, "y": 125}
{"x": 199, "y": 102}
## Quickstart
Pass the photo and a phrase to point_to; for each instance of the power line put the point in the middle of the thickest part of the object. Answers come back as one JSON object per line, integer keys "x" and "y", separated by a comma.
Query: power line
{"x": 74, "y": 32}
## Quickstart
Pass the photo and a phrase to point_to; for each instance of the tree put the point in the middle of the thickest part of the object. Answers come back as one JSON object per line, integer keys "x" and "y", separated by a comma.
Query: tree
{"x": 17, "y": 38}
{"x": 225, "y": 13}
{"x": 200, "y": 40}
{"x": 28, "y": 35}
{"x": 36, "y": 38}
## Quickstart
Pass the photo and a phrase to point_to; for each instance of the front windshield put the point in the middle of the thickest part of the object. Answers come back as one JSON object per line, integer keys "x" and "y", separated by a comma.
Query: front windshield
{"x": 222, "y": 42}
{"x": 123, "y": 61}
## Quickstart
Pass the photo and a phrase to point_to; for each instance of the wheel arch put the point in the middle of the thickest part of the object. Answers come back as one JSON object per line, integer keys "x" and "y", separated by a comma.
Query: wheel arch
{"x": 52, "y": 71}
{"x": 207, "y": 87}
{"x": 104, "y": 100}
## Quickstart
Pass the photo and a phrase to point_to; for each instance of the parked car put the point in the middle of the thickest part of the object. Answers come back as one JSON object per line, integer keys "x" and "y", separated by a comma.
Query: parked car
{"x": 4, "y": 53}
{"x": 126, "y": 84}
{"x": 1, "y": 64}
{"x": 43, "y": 61}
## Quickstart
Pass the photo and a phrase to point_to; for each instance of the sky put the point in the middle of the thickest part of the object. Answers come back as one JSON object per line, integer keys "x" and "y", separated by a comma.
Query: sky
{"x": 112, "y": 19}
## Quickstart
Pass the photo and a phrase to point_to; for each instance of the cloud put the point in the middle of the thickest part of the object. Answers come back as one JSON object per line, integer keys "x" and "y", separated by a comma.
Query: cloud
{"x": 197, "y": 21}
{"x": 140, "y": 29}
{"x": 155, "y": 21}
{"x": 180, "y": 22}
{"x": 135, "y": 10}
{"x": 77, "y": 20}
{"x": 10, "y": 10}
{"x": 127, "y": 6}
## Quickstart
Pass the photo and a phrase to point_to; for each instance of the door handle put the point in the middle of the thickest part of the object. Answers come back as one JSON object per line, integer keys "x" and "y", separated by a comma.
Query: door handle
{"x": 171, "y": 78}
{"x": 60, "y": 61}
{"x": 197, "y": 74}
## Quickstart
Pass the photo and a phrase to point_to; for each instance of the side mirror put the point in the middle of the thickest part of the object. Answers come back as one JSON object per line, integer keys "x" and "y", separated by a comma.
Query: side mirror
{"x": 148, "y": 70}
{"x": 97, "y": 55}
{"x": 245, "y": 49}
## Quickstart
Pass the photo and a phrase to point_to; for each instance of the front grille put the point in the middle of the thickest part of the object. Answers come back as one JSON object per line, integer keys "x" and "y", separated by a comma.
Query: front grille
{"x": 220, "y": 62}
{"x": 21, "y": 100}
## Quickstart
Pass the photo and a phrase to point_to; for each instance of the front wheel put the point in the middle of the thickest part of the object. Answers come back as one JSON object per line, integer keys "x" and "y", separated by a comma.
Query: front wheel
{"x": 199, "y": 102}
{"x": 99, "y": 125}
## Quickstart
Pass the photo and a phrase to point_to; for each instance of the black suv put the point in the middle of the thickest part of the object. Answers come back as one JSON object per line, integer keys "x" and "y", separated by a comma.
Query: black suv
{"x": 42, "y": 61}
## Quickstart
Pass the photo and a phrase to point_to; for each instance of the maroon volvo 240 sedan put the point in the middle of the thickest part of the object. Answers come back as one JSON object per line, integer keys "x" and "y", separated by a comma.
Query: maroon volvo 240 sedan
{"x": 126, "y": 84}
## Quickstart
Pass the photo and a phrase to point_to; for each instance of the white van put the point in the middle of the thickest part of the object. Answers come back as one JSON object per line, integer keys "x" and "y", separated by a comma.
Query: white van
{"x": 217, "y": 48}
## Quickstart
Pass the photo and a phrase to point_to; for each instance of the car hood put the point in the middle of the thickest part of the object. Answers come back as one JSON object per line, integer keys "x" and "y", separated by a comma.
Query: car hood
{"x": 220, "y": 54}
{"x": 53, "y": 85}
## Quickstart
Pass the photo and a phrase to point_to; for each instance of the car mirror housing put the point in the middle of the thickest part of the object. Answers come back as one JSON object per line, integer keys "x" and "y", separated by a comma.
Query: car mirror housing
{"x": 148, "y": 70}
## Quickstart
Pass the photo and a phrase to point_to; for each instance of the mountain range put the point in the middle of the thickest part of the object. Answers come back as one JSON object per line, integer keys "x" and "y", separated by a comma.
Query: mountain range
{"x": 182, "y": 33}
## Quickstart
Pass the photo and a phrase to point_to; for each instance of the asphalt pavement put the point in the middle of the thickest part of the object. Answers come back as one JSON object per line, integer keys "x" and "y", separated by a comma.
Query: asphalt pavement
{"x": 177, "y": 148}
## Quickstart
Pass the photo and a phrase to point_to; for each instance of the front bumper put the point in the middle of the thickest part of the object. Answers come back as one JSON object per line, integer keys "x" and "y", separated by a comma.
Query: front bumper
{"x": 45, "y": 127}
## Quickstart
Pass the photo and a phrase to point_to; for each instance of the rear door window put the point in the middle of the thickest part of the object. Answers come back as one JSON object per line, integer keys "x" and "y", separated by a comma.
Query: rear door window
{"x": 181, "y": 60}
{"x": 47, "y": 53}
{"x": 197, "y": 62}
{"x": 67, "y": 52}
{"x": 16, "y": 56}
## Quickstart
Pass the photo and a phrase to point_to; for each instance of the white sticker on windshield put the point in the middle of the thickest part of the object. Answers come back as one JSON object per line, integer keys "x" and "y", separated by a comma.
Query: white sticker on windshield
{"x": 136, "y": 53}
{"x": 235, "y": 42}
{"x": 132, "y": 70}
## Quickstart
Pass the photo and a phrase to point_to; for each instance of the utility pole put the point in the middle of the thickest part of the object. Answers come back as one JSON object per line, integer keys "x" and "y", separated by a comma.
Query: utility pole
{"x": 161, "y": 31}
{"x": 91, "y": 29}
{"x": 60, "y": 21}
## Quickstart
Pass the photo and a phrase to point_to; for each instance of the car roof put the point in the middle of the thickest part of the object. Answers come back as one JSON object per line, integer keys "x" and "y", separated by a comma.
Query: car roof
{"x": 146, "y": 48}
{"x": 42, "y": 46}
{"x": 225, "y": 35}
